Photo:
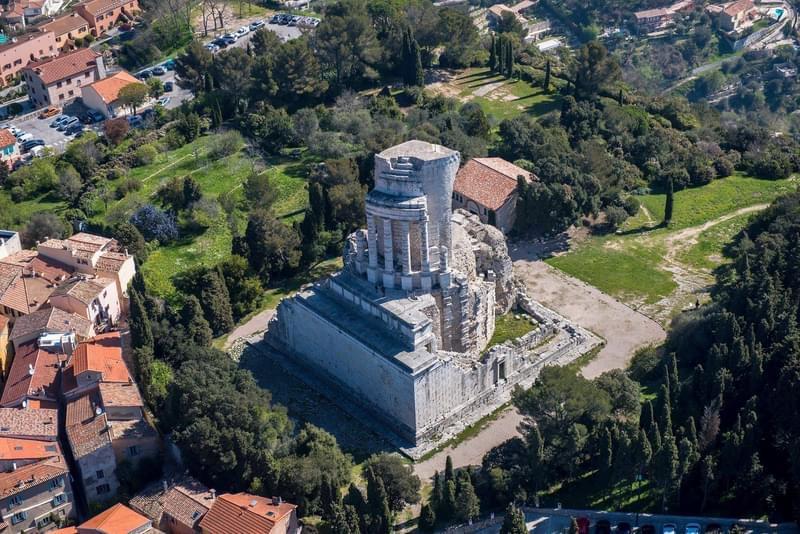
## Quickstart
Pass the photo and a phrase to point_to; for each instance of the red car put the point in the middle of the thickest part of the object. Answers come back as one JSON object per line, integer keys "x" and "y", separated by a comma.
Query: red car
{"x": 583, "y": 525}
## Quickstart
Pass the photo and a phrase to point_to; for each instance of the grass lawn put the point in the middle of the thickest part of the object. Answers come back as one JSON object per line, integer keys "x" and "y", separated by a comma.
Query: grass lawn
{"x": 510, "y": 326}
{"x": 508, "y": 99}
{"x": 630, "y": 266}
{"x": 591, "y": 490}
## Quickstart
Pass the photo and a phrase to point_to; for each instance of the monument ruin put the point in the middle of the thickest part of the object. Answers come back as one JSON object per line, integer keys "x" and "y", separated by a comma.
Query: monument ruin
{"x": 401, "y": 331}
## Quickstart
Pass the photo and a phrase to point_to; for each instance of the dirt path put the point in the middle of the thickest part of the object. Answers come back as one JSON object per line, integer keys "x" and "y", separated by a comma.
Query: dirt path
{"x": 256, "y": 324}
{"x": 692, "y": 283}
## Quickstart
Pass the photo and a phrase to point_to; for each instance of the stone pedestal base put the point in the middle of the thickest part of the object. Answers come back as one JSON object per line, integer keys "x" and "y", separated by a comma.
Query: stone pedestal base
{"x": 407, "y": 282}
{"x": 426, "y": 282}
{"x": 372, "y": 275}
{"x": 388, "y": 280}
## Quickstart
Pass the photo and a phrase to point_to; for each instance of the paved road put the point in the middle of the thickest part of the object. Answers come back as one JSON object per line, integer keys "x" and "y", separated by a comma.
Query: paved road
{"x": 255, "y": 325}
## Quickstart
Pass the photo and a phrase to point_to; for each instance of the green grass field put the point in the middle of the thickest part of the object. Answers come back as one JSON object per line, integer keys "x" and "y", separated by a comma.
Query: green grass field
{"x": 630, "y": 265}
{"x": 509, "y": 326}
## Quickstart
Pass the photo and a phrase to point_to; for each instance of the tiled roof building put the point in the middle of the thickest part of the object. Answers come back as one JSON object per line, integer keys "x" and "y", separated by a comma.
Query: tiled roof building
{"x": 249, "y": 514}
{"x": 50, "y": 320}
{"x": 41, "y": 424}
{"x": 32, "y": 376}
{"x": 119, "y": 519}
{"x": 174, "y": 506}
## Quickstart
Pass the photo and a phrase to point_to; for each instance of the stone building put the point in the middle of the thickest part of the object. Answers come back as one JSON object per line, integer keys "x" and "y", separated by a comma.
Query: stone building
{"x": 402, "y": 329}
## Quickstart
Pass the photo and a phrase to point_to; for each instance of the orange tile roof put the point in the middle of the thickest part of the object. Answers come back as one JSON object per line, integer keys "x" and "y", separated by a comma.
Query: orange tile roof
{"x": 51, "y": 320}
{"x": 119, "y": 519}
{"x": 98, "y": 7}
{"x": 83, "y": 290}
{"x": 102, "y": 354}
{"x": 27, "y": 449}
{"x": 81, "y": 410}
{"x": 108, "y": 88}
{"x": 28, "y": 423}
{"x": 489, "y": 181}
{"x": 64, "y": 66}
{"x": 7, "y": 138}
{"x": 244, "y": 514}
{"x": 30, "y": 261}
{"x": 64, "y": 24}
{"x": 737, "y": 7}
{"x": 87, "y": 437}
{"x": 186, "y": 501}
{"x": 118, "y": 394}
{"x": 31, "y": 475}
{"x": 21, "y": 383}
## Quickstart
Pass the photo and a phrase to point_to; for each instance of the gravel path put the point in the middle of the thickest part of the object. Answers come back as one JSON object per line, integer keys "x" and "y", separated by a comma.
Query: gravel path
{"x": 255, "y": 325}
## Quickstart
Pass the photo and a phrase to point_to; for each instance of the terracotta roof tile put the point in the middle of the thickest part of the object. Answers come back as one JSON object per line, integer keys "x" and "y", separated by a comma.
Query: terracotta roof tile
{"x": 111, "y": 262}
{"x": 31, "y": 262}
{"x": 64, "y": 24}
{"x": 85, "y": 291}
{"x": 29, "y": 423}
{"x": 31, "y": 475}
{"x": 102, "y": 354}
{"x": 108, "y": 88}
{"x": 243, "y": 513}
{"x": 186, "y": 500}
{"x": 51, "y": 320}
{"x": 114, "y": 395}
{"x": 21, "y": 383}
{"x": 82, "y": 409}
{"x": 12, "y": 449}
{"x": 64, "y": 66}
{"x": 87, "y": 437}
{"x": 98, "y": 7}
{"x": 7, "y": 138}
{"x": 489, "y": 181}
{"x": 119, "y": 519}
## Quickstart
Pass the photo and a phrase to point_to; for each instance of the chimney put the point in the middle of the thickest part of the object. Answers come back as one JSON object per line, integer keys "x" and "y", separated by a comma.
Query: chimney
{"x": 253, "y": 503}
{"x": 30, "y": 369}
{"x": 277, "y": 501}
{"x": 126, "y": 252}
{"x": 13, "y": 466}
{"x": 213, "y": 493}
{"x": 164, "y": 486}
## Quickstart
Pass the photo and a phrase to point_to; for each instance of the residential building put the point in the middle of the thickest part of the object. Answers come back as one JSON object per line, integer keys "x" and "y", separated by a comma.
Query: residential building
{"x": 36, "y": 497}
{"x": 175, "y": 506}
{"x": 5, "y": 348}
{"x": 9, "y": 149}
{"x": 17, "y": 452}
{"x": 92, "y": 254}
{"x": 95, "y": 299}
{"x": 119, "y": 519}
{"x": 103, "y": 95}
{"x": 66, "y": 29}
{"x": 650, "y": 20}
{"x": 242, "y": 512}
{"x": 102, "y": 15}
{"x": 49, "y": 321}
{"x": 21, "y": 51}
{"x": 29, "y": 423}
{"x": 21, "y": 292}
{"x": 58, "y": 80}
{"x": 487, "y": 187}
{"x": 734, "y": 16}
{"x": 18, "y": 11}
{"x": 95, "y": 362}
{"x": 9, "y": 242}
{"x": 32, "y": 377}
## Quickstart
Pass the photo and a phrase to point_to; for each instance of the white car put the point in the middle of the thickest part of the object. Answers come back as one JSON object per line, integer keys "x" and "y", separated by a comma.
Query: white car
{"x": 692, "y": 528}
{"x": 244, "y": 30}
{"x": 669, "y": 528}
{"x": 24, "y": 136}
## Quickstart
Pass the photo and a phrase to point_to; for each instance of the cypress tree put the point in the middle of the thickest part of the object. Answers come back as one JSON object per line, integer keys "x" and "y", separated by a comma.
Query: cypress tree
{"x": 329, "y": 499}
{"x": 608, "y": 451}
{"x": 621, "y": 98}
{"x": 405, "y": 54}
{"x": 353, "y": 520}
{"x": 448, "y": 469}
{"x": 669, "y": 204}
{"x": 509, "y": 60}
{"x": 139, "y": 322}
{"x": 514, "y": 521}
{"x": 547, "y": 77}
{"x": 467, "y": 504}
{"x": 216, "y": 302}
{"x": 666, "y": 411}
{"x": 492, "y": 54}
{"x": 355, "y": 500}
{"x": 197, "y": 328}
{"x": 418, "y": 75}
{"x": 674, "y": 379}
{"x": 448, "y": 500}
{"x": 665, "y": 467}
{"x": 427, "y": 519}
{"x": 437, "y": 495}
{"x": 655, "y": 437}
{"x": 501, "y": 54}
{"x": 378, "y": 503}
{"x": 646, "y": 419}
{"x": 337, "y": 520}
{"x": 692, "y": 433}
{"x": 644, "y": 452}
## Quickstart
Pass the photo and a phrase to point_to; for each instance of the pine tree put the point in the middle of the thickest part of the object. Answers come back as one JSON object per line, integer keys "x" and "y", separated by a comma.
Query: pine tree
{"x": 669, "y": 204}
{"x": 197, "y": 328}
{"x": 514, "y": 521}
{"x": 467, "y": 504}
{"x": 139, "y": 323}
{"x": 493, "y": 54}
{"x": 216, "y": 302}
{"x": 427, "y": 519}
{"x": 448, "y": 469}
{"x": 547, "y": 77}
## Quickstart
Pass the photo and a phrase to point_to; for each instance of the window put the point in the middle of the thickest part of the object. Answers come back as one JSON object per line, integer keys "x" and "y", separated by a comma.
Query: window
{"x": 19, "y": 517}
{"x": 55, "y": 483}
{"x": 58, "y": 85}
{"x": 86, "y": 75}
{"x": 43, "y": 521}
{"x": 59, "y": 499}
{"x": 69, "y": 81}
{"x": 133, "y": 450}
{"x": 99, "y": 474}
{"x": 16, "y": 500}
{"x": 50, "y": 448}
{"x": 61, "y": 96}
{"x": 71, "y": 92}
{"x": 103, "y": 488}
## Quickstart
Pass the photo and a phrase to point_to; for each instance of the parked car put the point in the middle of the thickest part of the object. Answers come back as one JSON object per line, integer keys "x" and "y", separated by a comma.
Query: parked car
{"x": 219, "y": 41}
{"x": 602, "y": 527}
{"x": 275, "y": 19}
{"x": 14, "y": 130}
{"x": 68, "y": 124}
{"x": 256, "y": 24}
{"x": 135, "y": 120}
{"x": 211, "y": 47}
{"x": 74, "y": 129}
{"x": 692, "y": 528}
{"x": 164, "y": 100}
{"x": 48, "y": 112}
{"x": 58, "y": 121}
{"x": 228, "y": 40}
{"x": 294, "y": 20}
{"x": 229, "y": 36}
{"x": 669, "y": 528}
{"x": 159, "y": 71}
{"x": 169, "y": 64}
{"x": 583, "y": 525}
{"x": 25, "y": 137}
{"x": 145, "y": 74}
{"x": 244, "y": 30}
{"x": 623, "y": 528}
{"x": 37, "y": 152}
{"x": 648, "y": 529}
{"x": 713, "y": 528}
{"x": 168, "y": 87}
{"x": 92, "y": 116}
{"x": 31, "y": 143}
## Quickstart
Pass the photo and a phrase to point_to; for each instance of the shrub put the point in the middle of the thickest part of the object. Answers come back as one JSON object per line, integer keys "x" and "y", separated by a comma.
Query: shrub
{"x": 645, "y": 361}
{"x": 225, "y": 144}
{"x": 615, "y": 216}
{"x": 129, "y": 185}
{"x": 155, "y": 224}
{"x": 631, "y": 205}
{"x": 116, "y": 129}
{"x": 145, "y": 155}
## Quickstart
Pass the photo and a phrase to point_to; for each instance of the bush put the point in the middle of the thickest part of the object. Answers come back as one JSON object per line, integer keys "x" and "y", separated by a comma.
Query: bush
{"x": 145, "y": 155}
{"x": 615, "y": 216}
{"x": 644, "y": 363}
{"x": 128, "y": 186}
{"x": 225, "y": 144}
{"x": 155, "y": 224}
{"x": 631, "y": 205}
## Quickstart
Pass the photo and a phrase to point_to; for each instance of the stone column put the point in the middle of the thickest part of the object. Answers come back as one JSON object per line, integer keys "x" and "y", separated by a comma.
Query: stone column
{"x": 372, "y": 241}
{"x": 405, "y": 247}
{"x": 388, "y": 253}
{"x": 424, "y": 252}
